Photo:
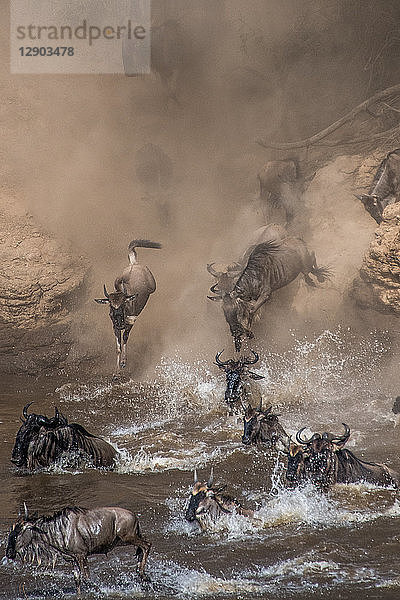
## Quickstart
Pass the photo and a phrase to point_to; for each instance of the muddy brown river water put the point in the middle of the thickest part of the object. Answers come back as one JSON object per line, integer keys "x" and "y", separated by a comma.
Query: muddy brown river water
{"x": 302, "y": 545}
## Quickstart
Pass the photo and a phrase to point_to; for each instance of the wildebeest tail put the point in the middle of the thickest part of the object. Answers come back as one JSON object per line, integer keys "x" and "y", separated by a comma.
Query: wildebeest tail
{"x": 322, "y": 273}
{"x": 143, "y": 244}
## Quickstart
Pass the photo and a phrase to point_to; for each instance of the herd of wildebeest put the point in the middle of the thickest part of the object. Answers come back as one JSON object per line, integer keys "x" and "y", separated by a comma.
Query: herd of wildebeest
{"x": 273, "y": 259}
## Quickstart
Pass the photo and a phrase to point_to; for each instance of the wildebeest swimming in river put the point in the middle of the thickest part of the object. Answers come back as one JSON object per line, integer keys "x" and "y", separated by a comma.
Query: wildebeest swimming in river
{"x": 74, "y": 534}
{"x": 42, "y": 441}
{"x": 208, "y": 503}
{"x": 385, "y": 188}
{"x": 322, "y": 461}
{"x": 262, "y": 427}
{"x": 270, "y": 266}
{"x": 132, "y": 290}
{"x": 237, "y": 375}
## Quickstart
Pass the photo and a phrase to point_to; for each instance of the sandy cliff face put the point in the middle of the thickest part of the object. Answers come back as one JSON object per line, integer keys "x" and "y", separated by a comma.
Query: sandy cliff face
{"x": 41, "y": 282}
{"x": 378, "y": 286}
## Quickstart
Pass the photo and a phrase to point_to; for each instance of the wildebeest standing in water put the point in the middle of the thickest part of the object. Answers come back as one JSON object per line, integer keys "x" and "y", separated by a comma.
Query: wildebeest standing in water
{"x": 262, "y": 427}
{"x": 74, "y": 534}
{"x": 41, "y": 441}
{"x": 271, "y": 266}
{"x": 322, "y": 460}
{"x": 132, "y": 290}
{"x": 207, "y": 502}
{"x": 385, "y": 188}
{"x": 237, "y": 376}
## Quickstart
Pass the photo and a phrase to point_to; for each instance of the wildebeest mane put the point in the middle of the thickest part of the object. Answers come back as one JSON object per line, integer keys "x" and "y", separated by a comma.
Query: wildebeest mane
{"x": 265, "y": 261}
{"x": 352, "y": 468}
{"x": 49, "y": 445}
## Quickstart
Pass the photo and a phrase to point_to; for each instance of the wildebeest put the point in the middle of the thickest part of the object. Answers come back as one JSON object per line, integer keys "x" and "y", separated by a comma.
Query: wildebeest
{"x": 262, "y": 427}
{"x": 132, "y": 290}
{"x": 322, "y": 460}
{"x": 75, "y": 533}
{"x": 227, "y": 274}
{"x": 208, "y": 503}
{"x": 396, "y": 406}
{"x": 279, "y": 189}
{"x": 385, "y": 188}
{"x": 237, "y": 375}
{"x": 41, "y": 441}
{"x": 271, "y": 266}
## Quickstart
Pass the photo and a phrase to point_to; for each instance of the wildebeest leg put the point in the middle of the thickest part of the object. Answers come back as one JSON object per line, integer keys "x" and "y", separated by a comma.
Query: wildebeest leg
{"x": 259, "y": 302}
{"x": 77, "y": 578}
{"x": 143, "y": 548}
{"x": 81, "y": 568}
{"x": 125, "y": 337}
{"x": 117, "y": 333}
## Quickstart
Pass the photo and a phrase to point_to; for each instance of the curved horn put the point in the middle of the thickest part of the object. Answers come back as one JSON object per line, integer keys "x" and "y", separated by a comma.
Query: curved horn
{"x": 300, "y": 440}
{"x": 25, "y": 409}
{"x": 345, "y": 436}
{"x": 235, "y": 267}
{"x": 195, "y": 476}
{"x": 105, "y": 291}
{"x": 220, "y": 363}
{"x": 249, "y": 361}
{"x": 213, "y": 290}
{"x": 25, "y": 511}
{"x": 211, "y": 478}
{"x": 212, "y": 271}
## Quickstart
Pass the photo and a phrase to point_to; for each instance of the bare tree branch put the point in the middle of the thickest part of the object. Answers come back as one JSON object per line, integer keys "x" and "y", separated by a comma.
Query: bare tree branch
{"x": 387, "y": 93}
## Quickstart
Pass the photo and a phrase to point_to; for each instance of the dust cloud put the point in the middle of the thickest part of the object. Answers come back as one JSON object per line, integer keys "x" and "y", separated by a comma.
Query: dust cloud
{"x": 73, "y": 150}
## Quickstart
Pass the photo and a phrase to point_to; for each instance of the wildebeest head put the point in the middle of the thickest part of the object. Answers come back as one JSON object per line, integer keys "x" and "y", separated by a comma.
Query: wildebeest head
{"x": 21, "y": 535}
{"x": 201, "y": 498}
{"x": 31, "y": 424}
{"x": 118, "y": 302}
{"x": 207, "y": 502}
{"x": 315, "y": 459}
{"x": 234, "y": 371}
{"x": 373, "y": 205}
{"x": 262, "y": 426}
{"x": 237, "y": 313}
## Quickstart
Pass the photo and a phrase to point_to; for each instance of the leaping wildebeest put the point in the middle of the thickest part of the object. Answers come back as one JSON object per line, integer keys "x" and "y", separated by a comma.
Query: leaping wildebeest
{"x": 208, "y": 503}
{"x": 132, "y": 290}
{"x": 270, "y": 266}
{"x": 279, "y": 189}
{"x": 42, "y": 441}
{"x": 385, "y": 188}
{"x": 237, "y": 375}
{"x": 322, "y": 461}
{"x": 75, "y": 533}
{"x": 262, "y": 427}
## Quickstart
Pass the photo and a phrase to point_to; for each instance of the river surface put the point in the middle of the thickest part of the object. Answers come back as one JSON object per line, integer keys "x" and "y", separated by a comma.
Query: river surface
{"x": 342, "y": 545}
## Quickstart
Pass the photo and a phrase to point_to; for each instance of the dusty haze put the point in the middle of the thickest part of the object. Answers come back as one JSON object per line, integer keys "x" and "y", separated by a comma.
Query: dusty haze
{"x": 265, "y": 69}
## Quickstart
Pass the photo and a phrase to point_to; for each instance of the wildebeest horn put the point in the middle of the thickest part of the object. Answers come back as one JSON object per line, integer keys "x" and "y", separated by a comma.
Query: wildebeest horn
{"x": 25, "y": 409}
{"x": 220, "y": 363}
{"x": 105, "y": 291}
{"x": 25, "y": 511}
{"x": 260, "y": 405}
{"x": 211, "y": 478}
{"x": 195, "y": 476}
{"x": 213, "y": 290}
{"x": 235, "y": 267}
{"x": 345, "y": 436}
{"x": 300, "y": 440}
{"x": 212, "y": 271}
{"x": 249, "y": 361}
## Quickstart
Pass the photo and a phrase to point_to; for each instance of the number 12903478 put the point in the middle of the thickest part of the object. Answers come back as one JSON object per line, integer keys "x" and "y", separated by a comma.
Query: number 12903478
{"x": 47, "y": 51}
